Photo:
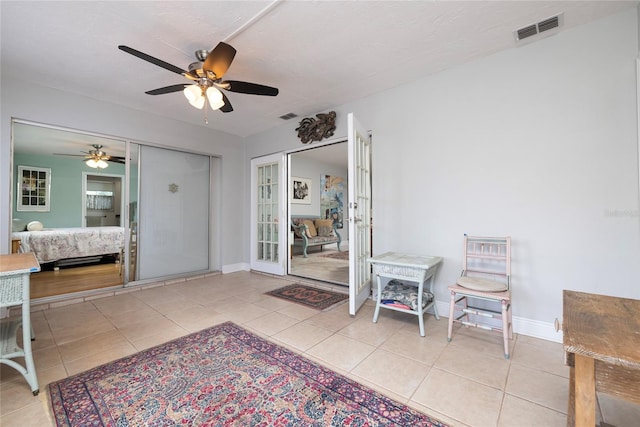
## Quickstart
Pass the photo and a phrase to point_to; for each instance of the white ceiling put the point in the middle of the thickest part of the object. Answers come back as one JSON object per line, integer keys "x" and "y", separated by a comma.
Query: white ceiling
{"x": 44, "y": 140}
{"x": 320, "y": 54}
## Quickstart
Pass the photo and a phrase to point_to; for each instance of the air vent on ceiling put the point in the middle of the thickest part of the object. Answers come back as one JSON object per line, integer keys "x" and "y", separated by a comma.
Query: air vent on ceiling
{"x": 525, "y": 32}
{"x": 288, "y": 116}
{"x": 548, "y": 24}
{"x": 538, "y": 28}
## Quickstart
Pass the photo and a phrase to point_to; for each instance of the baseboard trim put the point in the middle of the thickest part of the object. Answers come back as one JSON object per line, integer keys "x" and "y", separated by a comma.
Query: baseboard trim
{"x": 536, "y": 329}
{"x": 232, "y": 268}
{"x": 521, "y": 325}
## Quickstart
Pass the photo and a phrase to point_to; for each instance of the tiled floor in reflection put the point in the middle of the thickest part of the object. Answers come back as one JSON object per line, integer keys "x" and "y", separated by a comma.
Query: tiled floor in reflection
{"x": 320, "y": 267}
{"x": 466, "y": 382}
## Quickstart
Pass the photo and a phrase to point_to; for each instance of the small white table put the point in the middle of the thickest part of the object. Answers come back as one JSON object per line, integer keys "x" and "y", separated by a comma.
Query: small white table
{"x": 416, "y": 269}
{"x": 15, "y": 270}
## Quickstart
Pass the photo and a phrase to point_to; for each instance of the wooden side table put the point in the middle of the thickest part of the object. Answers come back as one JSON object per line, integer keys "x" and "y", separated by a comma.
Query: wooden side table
{"x": 15, "y": 246}
{"x": 602, "y": 343}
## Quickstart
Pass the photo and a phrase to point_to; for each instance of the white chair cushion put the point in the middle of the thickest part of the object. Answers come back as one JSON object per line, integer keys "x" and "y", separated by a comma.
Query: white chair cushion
{"x": 479, "y": 284}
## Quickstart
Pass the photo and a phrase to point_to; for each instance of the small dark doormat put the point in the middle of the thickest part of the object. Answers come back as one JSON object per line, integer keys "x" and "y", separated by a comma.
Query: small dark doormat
{"x": 343, "y": 255}
{"x": 319, "y": 299}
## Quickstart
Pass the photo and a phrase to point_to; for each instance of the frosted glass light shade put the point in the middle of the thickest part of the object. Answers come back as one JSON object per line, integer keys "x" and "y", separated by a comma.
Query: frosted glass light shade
{"x": 215, "y": 98}
{"x": 96, "y": 164}
{"x": 193, "y": 93}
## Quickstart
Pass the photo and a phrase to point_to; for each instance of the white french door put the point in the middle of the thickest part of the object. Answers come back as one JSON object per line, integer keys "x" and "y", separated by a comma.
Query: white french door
{"x": 268, "y": 221}
{"x": 359, "y": 214}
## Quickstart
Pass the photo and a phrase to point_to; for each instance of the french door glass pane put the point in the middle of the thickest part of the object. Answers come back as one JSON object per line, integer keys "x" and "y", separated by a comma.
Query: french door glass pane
{"x": 267, "y": 205}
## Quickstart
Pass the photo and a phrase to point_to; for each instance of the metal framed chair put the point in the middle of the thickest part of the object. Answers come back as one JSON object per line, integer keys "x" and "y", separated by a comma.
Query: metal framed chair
{"x": 481, "y": 297}
{"x": 15, "y": 270}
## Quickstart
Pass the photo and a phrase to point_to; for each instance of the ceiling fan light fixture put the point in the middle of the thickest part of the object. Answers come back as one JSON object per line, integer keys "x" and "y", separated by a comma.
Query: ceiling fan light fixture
{"x": 215, "y": 98}
{"x": 193, "y": 93}
{"x": 205, "y": 76}
{"x": 96, "y": 164}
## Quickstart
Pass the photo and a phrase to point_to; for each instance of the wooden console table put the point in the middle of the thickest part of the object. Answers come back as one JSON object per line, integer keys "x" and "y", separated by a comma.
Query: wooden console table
{"x": 601, "y": 338}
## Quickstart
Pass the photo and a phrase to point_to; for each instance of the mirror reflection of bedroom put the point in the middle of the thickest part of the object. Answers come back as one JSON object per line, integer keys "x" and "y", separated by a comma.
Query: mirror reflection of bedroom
{"x": 67, "y": 208}
{"x": 320, "y": 177}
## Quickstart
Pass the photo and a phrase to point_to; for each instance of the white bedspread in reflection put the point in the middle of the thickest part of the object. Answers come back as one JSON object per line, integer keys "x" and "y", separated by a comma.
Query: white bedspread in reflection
{"x": 60, "y": 243}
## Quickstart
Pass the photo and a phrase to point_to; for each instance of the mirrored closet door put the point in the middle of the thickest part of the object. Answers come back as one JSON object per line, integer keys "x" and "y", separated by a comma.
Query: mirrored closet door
{"x": 102, "y": 212}
{"x": 173, "y": 230}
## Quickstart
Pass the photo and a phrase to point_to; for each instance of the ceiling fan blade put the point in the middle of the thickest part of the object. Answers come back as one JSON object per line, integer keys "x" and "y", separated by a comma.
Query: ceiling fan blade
{"x": 226, "y": 108}
{"x": 250, "y": 88}
{"x": 117, "y": 158}
{"x": 149, "y": 58}
{"x": 70, "y": 155}
{"x": 219, "y": 59}
{"x": 167, "y": 89}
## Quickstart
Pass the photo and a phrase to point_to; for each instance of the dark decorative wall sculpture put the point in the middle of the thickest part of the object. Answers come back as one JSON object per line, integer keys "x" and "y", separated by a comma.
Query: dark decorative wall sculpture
{"x": 322, "y": 126}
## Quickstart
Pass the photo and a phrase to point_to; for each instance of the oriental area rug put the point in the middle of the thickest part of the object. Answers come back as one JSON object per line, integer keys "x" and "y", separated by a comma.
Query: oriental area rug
{"x": 309, "y": 296}
{"x": 222, "y": 376}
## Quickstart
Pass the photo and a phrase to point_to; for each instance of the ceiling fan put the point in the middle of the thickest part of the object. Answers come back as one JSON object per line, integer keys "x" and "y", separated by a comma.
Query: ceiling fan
{"x": 96, "y": 158}
{"x": 206, "y": 78}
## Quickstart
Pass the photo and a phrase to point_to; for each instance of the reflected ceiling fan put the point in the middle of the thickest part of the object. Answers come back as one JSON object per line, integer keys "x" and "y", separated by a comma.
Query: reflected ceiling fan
{"x": 205, "y": 77}
{"x": 96, "y": 158}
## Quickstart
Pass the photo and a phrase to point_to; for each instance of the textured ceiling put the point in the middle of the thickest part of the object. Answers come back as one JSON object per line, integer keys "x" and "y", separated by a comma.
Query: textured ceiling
{"x": 320, "y": 54}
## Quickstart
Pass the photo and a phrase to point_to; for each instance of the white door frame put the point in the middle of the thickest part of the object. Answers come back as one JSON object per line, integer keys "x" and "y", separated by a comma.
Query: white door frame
{"x": 360, "y": 245}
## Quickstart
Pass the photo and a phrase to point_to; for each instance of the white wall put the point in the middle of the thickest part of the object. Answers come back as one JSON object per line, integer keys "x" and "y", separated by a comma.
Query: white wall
{"x": 26, "y": 100}
{"x": 538, "y": 142}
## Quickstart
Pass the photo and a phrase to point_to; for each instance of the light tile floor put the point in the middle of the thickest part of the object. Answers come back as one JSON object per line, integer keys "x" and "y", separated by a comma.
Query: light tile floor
{"x": 466, "y": 382}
